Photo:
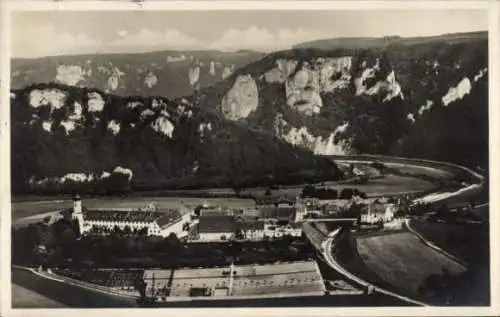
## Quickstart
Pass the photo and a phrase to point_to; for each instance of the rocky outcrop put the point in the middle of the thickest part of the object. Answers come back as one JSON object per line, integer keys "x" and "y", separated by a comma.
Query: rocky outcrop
{"x": 194, "y": 75}
{"x": 53, "y": 98}
{"x": 369, "y": 82}
{"x": 115, "y": 80}
{"x": 241, "y": 99}
{"x": 305, "y": 83}
{"x": 150, "y": 80}
{"x": 301, "y": 137}
{"x": 71, "y": 74}
{"x": 458, "y": 92}
{"x": 212, "y": 68}
{"x": 227, "y": 71}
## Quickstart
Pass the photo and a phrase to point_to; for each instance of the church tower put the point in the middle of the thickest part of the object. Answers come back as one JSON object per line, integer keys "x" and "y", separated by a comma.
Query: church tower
{"x": 77, "y": 212}
{"x": 77, "y": 206}
{"x": 300, "y": 209}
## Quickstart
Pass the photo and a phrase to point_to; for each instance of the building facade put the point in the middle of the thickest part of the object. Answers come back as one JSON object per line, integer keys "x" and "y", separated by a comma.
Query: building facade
{"x": 104, "y": 221}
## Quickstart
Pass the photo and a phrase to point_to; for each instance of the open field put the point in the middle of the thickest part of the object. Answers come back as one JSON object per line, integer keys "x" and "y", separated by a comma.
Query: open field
{"x": 463, "y": 241}
{"x": 389, "y": 185}
{"x": 403, "y": 261}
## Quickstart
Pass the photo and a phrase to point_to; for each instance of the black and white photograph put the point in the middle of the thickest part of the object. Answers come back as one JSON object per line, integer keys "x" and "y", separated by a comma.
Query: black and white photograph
{"x": 241, "y": 158}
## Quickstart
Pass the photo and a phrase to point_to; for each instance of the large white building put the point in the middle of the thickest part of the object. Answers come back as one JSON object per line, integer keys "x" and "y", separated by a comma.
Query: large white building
{"x": 378, "y": 212}
{"x": 103, "y": 221}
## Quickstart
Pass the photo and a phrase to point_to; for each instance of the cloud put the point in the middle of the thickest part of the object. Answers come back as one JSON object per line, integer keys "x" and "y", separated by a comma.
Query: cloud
{"x": 122, "y": 33}
{"x": 262, "y": 39}
{"x": 44, "y": 40}
{"x": 168, "y": 38}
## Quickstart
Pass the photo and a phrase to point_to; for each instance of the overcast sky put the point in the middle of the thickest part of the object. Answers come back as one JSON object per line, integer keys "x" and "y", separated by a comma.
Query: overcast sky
{"x": 38, "y": 34}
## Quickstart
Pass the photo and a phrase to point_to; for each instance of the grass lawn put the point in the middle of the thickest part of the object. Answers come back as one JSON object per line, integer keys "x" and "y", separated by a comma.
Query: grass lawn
{"x": 402, "y": 260}
{"x": 461, "y": 240}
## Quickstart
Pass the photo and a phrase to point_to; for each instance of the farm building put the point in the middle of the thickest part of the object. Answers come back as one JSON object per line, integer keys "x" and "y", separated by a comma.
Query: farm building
{"x": 103, "y": 221}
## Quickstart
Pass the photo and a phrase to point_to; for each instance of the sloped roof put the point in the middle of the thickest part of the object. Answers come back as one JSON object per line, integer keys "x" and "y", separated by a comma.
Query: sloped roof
{"x": 121, "y": 216}
{"x": 211, "y": 224}
{"x": 169, "y": 217}
{"x": 277, "y": 212}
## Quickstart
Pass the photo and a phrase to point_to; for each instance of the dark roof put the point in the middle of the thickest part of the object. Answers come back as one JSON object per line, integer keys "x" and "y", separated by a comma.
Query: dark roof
{"x": 121, "y": 216}
{"x": 213, "y": 213}
{"x": 216, "y": 224}
{"x": 249, "y": 225}
{"x": 169, "y": 217}
{"x": 271, "y": 200}
{"x": 277, "y": 212}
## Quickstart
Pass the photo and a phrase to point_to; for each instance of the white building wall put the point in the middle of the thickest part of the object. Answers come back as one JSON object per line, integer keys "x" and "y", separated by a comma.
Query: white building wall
{"x": 214, "y": 236}
{"x": 175, "y": 228}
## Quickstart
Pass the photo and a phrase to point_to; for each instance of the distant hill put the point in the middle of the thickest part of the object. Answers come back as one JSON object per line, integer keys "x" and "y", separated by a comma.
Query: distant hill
{"x": 381, "y": 42}
{"x": 67, "y": 139}
{"x": 427, "y": 97}
{"x": 165, "y": 73}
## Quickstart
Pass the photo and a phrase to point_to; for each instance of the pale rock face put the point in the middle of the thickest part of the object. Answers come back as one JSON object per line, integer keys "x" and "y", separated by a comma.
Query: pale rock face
{"x": 77, "y": 178}
{"x": 114, "y": 127}
{"x": 303, "y": 89}
{"x": 411, "y": 117}
{"x": 389, "y": 85}
{"x": 47, "y": 126}
{"x": 80, "y": 177}
{"x": 146, "y": 113}
{"x": 114, "y": 79}
{"x": 335, "y": 66}
{"x": 134, "y": 104}
{"x": 194, "y": 75}
{"x": 241, "y": 99}
{"x": 113, "y": 82}
{"x": 77, "y": 112}
{"x": 96, "y": 102}
{"x": 227, "y": 71}
{"x": 302, "y": 92}
{"x": 458, "y": 92}
{"x": 480, "y": 74}
{"x": 426, "y": 107}
{"x": 54, "y": 98}
{"x": 176, "y": 59}
{"x": 68, "y": 126}
{"x": 204, "y": 127}
{"x": 280, "y": 73}
{"x": 150, "y": 80}
{"x": 394, "y": 89}
{"x": 163, "y": 125}
{"x": 158, "y": 103}
{"x": 212, "y": 68}
{"x": 124, "y": 171}
{"x": 301, "y": 137}
{"x": 70, "y": 74}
